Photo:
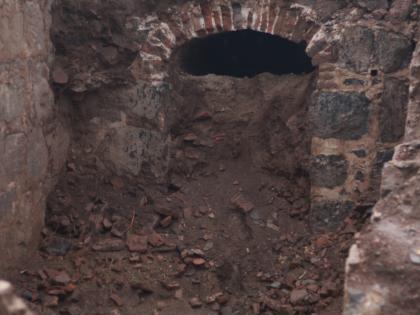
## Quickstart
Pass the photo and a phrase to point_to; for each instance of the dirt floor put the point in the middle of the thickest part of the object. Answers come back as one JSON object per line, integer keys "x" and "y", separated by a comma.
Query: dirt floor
{"x": 116, "y": 248}
{"x": 226, "y": 235}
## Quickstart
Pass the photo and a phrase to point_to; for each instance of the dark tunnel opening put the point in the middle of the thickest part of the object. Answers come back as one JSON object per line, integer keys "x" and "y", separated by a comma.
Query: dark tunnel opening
{"x": 244, "y": 53}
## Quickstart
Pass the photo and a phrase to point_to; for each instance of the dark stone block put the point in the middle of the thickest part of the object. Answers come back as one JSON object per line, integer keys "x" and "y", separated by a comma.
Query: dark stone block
{"x": 393, "y": 51}
{"x": 360, "y": 153}
{"x": 340, "y": 115}
{"x": 353, "y": 81}
{"x": 393, "y": 110}
{"x": 360, "y": 49}
{"x": 373, "y": 4}
{"x": 328, "y": 170}
{"x": 329, "y": 215}
{"x": 357, "y": 48}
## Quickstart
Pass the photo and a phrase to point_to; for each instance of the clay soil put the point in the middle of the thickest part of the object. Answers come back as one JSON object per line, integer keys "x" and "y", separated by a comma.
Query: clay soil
{"x": 225, "y": 235}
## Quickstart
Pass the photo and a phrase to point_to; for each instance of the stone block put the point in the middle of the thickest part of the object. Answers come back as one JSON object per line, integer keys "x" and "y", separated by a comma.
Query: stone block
{"x": 361, "y": 49}
{"x": 137, "y": 151}
{"x": 329, "y": 215}
{"x": 149, "y": 101}
{"x": 328, "y": 170}
{"x": 357, "y": 48}
{"x": 393, "y": 51}
{"x": 339, "y": 115}
{"x": 393, "y": 112}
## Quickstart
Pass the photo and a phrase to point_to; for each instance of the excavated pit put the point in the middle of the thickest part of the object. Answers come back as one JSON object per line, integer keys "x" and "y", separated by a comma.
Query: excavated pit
{"x": 228, "y": 231}
{"x": 186, "y": 157}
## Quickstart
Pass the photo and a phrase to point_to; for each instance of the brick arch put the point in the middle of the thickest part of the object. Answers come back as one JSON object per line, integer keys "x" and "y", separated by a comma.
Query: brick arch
{"x": 177, "y": 25}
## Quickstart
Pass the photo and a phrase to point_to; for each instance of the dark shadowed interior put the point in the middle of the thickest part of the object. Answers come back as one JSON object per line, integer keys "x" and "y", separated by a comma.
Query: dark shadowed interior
{"x": 244, "y": 53}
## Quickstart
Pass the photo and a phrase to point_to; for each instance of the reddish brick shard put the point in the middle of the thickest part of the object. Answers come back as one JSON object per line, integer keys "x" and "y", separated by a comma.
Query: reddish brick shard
{"x": 207, "y": 14}
{"x": 227, "y": 18}
{"x": 218, "y": 20}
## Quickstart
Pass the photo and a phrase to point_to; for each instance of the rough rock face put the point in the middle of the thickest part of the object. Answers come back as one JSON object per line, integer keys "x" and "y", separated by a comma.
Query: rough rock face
{"x": 10, "y": 304}
{"x": 33, "y": 140}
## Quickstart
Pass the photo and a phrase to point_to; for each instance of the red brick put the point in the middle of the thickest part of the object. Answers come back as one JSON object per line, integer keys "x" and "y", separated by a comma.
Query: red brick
{"x": 153, "y": 50}
{"x": 227, "y": 18}
{"x": 186, "y": 21}
{"x": 198, "y": 27}
{"x": 207, "y": 14}
{"x": 310, "y": 31}
{"x": 299, "y": 29}
{"x": 161, "y": 35}
{"x": 286, "y": 23}
{"x": 218, "y": 20}
{"x": 274, "y": 9}
{"x": 176, "y": 28}
{"x": 264, "y": 17}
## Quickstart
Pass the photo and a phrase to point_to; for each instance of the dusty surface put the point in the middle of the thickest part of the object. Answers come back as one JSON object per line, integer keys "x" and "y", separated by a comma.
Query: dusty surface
{"x": 226, "y": 235}
{"x": 192, "y": 243}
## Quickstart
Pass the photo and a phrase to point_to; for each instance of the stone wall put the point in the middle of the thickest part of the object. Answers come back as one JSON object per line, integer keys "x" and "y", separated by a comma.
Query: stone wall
{"x": 384, "y": 263}
{"x": 359, "y": 110}
{"x": 33, "y": 140}
{"x": 361, "y": 48}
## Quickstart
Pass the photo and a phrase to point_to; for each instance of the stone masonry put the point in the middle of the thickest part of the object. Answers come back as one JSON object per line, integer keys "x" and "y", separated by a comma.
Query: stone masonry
{"x": 384, "y": 263}
{"x": 357, "y": 111}
{"x": 368, "y": 70}
{"x": 33, "y": 140}
{"x": 360, "y": 102}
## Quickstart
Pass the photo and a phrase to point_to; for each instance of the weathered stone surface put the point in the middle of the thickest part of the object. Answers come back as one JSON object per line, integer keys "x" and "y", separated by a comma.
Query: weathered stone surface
{"x": 329, "y": 215}
{"x": 27, "y": 118}
{"x": 149, "y": 101}
{"x": 340, "y": 115}
{"x": 11, "y": 94}
{"x": 361, "y": 48}
{"x": 392, "y": 51}
{"x": 357, "y": 48}
{"x": 393, "y": 110}
{"x": 401, "y": 9}
{"x": 328, "y": 170}
{"x": 13, "y": 159}
{"x": 382, "y": 270}
{"x": 134, "y": 150}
